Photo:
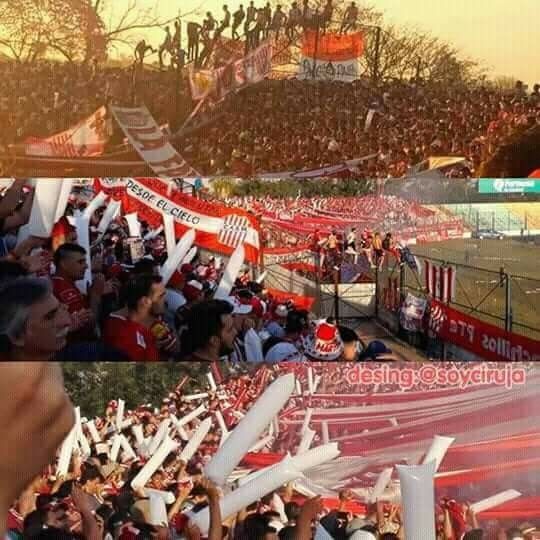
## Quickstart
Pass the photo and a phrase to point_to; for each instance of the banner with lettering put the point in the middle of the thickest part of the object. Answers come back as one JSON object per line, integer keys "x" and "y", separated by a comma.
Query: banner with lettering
{"x": 254, "y": 67}
{"x": 86, "y": 139}
{"x": 149, "y": 141}
{"x": 330, "y": 56}
{"x": 481, "y": 338}
{"x": 218, "y": 228}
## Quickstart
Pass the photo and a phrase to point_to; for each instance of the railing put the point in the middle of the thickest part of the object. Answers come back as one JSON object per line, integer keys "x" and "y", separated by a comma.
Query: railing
{"x": 504, "y": 299}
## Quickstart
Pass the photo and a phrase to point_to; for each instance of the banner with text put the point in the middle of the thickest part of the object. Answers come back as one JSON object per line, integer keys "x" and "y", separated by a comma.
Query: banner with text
{"x": 219, "y": 228}
{"x": 508, "y": 185}
{"x": 298, "y": 258}
{"x": 481, "y": 338}
{"x": 219, "y": 82}
{"x": 86, "y": 139}
{"x": 331, "y": 56}
{"x": 148, "y": 140}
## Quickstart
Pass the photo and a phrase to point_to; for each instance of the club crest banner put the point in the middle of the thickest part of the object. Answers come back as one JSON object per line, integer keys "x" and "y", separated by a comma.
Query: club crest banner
{"x": 86, "y": 139}
{"x": 218, "y": 228}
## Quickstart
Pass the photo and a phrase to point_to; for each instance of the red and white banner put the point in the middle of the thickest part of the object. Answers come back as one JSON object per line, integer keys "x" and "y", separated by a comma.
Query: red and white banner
{"x": 227, "y": 50}
{"x": 299, "y": 301}
{"x": 331, "y": 56}
{"x": 440, "y": 281}
{"x": 86, "y": 139}
{"x": 235, "y": 75}
{"x": 481, "y": 338}
{"x": 148, "y": 140}
{"x": 340, "y": 169}
{"x": 299, "y": 258}
{"x": 218, "y": 228}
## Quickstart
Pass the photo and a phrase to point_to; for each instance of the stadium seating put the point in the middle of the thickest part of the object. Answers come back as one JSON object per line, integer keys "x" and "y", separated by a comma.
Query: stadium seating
{"x": 505, "y": 217}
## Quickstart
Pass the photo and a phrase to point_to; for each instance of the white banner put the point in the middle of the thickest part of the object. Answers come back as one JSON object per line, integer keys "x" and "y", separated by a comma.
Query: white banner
{"x": 325, "y": 70}
{"x": 87, "y": 138}
{"x": 249, "y": 70}
{"x": 152, "y": 145}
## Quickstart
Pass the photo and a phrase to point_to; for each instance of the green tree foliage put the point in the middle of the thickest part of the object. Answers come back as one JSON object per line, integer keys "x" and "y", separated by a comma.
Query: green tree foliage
{"x": 92, "y": 385}
{"x": 304, "y": 188}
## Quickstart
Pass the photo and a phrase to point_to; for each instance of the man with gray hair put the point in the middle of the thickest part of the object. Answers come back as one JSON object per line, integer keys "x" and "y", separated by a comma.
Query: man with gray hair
{"x": 33, "y": 324}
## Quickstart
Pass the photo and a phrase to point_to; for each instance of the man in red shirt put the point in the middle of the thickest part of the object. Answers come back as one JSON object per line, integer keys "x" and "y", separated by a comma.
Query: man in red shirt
{"x": 130, "y": 329}
{"x": 70, "y": 262}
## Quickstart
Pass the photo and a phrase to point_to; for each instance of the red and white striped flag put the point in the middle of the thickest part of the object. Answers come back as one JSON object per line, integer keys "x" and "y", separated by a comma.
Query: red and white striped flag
{"x": 440, "y": 281}
{"x": 234, "y": 230}
{"x": 86, "y": 139}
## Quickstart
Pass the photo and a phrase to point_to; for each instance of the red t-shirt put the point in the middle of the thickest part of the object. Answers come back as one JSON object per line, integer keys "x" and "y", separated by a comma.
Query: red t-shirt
{"x": 131, "y": 338}
{"x": 68, "y": 294}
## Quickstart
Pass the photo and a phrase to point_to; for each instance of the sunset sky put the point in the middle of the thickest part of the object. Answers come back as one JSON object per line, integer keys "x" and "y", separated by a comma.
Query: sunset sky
{"x": 502, "y": 34}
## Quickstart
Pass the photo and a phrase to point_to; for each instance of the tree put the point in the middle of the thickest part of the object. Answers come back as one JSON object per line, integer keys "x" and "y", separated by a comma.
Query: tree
{"x": 505, "y": 83}
{"x": 402, "y": 52}
{"x": 33, "y": 29}
{"x": 74, "y": 30}
{"x": 122, "y": 26}
{"x": 92, "y": 385}
{"x": 223, "y": 187}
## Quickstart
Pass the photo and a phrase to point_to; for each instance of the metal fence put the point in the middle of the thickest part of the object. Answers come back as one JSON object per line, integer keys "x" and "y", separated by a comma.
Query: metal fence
{"x": 342, "y": 301}
{"x": 498, "y": 217}
{"x": 506, "y": 300}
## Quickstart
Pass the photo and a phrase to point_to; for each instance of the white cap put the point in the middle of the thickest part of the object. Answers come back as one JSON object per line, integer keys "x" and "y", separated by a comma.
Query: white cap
{"x": 238, "y": 307}
{"x": 361, "y": 535}
{"x": 174, "y": 300}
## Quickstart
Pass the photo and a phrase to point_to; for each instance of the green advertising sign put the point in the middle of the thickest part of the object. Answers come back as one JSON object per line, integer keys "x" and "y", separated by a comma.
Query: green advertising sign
{"x": 509, "y": 185}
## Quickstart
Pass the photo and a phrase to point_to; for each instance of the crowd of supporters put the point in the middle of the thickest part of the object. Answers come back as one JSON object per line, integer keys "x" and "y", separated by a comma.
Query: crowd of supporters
{"x": 279, "y": 125}
{"x": 129, "y": 313}
{"x": 95, "y": 499}
{"x": 292, "y": 125}
{"x": 45, "y": 98}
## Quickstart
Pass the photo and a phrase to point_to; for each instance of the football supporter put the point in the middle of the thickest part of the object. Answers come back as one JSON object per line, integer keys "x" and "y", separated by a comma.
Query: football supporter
{"x": 34, "y": 325}
{"x": 96, "y": 498}
{"x": 71, "y": 264}
{"x": 137, "y": 329}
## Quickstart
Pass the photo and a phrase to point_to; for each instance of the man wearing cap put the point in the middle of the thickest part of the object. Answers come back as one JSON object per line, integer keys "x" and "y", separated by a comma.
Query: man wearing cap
{"x": 376, "y": 350}
{"x": 243, "y": 321}
{"x": 325, "y": 344}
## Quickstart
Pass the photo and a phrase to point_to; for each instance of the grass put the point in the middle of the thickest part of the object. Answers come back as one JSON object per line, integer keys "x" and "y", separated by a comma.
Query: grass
{"x": 479, "y": 287}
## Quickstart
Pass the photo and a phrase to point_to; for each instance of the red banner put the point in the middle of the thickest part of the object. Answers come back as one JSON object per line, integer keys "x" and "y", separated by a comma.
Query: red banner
{"x": 300, "y": 302}
{"x": 218, "y": 228}
{"x": 481, "y": 338}
{"x": 332, "y": 47}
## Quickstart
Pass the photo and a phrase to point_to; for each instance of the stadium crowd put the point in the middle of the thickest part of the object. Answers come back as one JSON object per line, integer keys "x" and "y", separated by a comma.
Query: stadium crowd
{"x": 97, "y": 498}
{"x": 46, "y": 98}
{"x": 128, "y": 313}
{"x": 293, "y": 125}
{"x": 278, "y": 125}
